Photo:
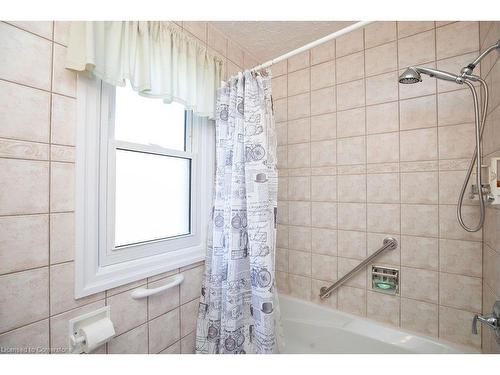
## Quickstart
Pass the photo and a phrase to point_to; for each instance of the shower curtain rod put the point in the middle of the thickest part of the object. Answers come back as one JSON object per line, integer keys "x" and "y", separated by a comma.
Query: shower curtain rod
{"x": 308, "y": 46}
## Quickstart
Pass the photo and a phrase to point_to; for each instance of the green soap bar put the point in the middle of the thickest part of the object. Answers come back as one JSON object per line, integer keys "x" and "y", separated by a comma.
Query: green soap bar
{"x": 384, "y": 286}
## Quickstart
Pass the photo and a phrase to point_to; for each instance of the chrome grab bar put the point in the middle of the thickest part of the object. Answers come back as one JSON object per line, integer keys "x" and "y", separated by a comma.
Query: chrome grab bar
{"x": 389, "y": 244}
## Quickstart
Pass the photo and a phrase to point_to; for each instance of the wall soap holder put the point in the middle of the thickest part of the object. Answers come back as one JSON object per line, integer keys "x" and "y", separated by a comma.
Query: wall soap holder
{"x": 385, "y": 279}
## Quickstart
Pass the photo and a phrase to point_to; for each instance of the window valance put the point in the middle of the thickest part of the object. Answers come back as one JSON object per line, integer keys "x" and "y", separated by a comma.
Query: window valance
{"x": 155, "y": 56}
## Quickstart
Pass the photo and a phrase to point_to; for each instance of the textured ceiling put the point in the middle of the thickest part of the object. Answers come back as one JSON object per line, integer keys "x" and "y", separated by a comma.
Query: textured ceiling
{"x": 269, "y": 39}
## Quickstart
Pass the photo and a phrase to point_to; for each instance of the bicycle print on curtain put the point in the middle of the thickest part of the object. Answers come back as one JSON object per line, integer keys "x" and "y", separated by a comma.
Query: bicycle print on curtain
{"x": 238, "y": 310}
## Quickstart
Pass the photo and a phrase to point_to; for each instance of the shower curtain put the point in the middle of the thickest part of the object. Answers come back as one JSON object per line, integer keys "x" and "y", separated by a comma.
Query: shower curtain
{"x": 238, "y": 310}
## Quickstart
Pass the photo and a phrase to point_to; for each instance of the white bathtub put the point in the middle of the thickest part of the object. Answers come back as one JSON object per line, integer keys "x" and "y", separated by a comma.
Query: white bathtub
{"x": 310, "y": 328}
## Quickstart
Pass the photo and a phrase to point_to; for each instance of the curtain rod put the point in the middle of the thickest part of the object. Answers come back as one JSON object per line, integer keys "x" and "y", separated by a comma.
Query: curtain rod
{"x": 308, "y": 46}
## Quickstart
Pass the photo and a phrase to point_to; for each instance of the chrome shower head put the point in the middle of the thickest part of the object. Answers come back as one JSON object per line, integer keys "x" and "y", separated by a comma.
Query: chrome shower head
{"x": 410, "y": 75}
{"x": 413, "y": 75}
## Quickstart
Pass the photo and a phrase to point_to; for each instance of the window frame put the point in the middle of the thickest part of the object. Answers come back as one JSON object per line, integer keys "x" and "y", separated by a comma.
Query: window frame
{"x": 98, "y": 264}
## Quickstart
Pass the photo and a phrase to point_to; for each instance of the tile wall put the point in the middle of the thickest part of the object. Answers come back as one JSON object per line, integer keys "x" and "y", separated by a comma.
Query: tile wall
{"x": 362, "y": 157}
{"x": 490, "y": 34}
{"x": 37, "y": 147}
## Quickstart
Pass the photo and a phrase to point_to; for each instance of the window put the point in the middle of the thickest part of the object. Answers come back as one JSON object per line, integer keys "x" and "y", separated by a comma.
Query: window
{"x": 144, "y": 173}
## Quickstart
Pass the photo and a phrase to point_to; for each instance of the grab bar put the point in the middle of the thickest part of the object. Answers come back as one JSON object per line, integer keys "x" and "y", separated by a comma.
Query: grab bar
{"x": 145, "y": 292}
{"x": 389, "y": 244}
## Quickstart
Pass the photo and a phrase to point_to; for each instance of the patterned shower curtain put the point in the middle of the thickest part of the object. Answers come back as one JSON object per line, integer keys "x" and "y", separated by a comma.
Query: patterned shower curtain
{"x": 238, "y": 310}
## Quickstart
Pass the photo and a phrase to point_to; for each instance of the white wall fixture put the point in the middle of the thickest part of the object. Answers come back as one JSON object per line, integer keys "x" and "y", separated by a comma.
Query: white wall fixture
{"x": 145, "y": 292}
{"x": 89, "y": 331}
{"x": 495, "y": 180}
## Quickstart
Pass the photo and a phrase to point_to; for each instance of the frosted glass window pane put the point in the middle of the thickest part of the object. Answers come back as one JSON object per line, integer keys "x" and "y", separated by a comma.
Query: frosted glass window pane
{"x": 148, "y": 121}
{"x": 152, "y": 197}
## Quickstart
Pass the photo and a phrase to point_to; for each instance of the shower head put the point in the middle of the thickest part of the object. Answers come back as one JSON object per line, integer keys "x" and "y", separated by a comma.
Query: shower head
{"x": 413, "y": 75}
{"x": 409, "y": 76}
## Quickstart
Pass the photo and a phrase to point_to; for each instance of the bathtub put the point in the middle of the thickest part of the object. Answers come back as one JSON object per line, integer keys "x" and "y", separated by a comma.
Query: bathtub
{"x": 313, "y": 329}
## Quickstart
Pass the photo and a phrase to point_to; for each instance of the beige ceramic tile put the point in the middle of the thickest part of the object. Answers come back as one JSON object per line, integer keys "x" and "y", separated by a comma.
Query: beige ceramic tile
{"x": 299, "y": 238}
{"x": 323, "y": 153}
{"x": 457, "y": 38}
{"x": 299, "y": 155}
{"x": 351, "y": 151}
{"x": 416, "y": 49}
{"x": 349, "y": 43}
{"x": 323, "y": 75}
{"x": 419, "y": 316}
{"x": 299, "y": 263}
{"x": 420, "y": 220}
{"x": 457, "y": 329}
{"x": 418, "y": 144}
{"x": 379, "y": 33}
{"x": 299, "y": 82}
{"x": 324, "y": 215}
{"x": 24, "y": 113}
{"x": 126, "y": 312}
{"x": 351, "y": 123}
{"x": 383, "y": 308}
{"x": 25, "y": 185}
{"x": 351, "y": 95}
{"x": 30, "y": 339}
{"x": 418, "y": 113}
{"x": 300, "y": 213}
{"x": 382, "y": 148}
{"x": 352, "y": 300}
{"x": 461, "y": 292}
{"x": 383, "y": 218}
{"x": 382, "y": 88}
{"x": 62, "y": 187}
{"x": 351, "y": 188}
{"x": 352, "y": 216}
{"x": 63, "y": 129}
{"x": 299, "y": 106}
{"x": 63, "y": 80}
{"x": 164, "y": 302}
{"x": 189, "y": 316}
{"x": 62, "y": 289}
{"x": 350, "y": 67}
{"x": 323, "y": 101}
{"x": 164, "y": 331}
{"x": 324, "y": 188}
{"x": 324, "y": 241}
{"x": 10, "y": 148}
{"x": 191, "y": 286}
{"x": 381, "y": 59}
{"x": 419, "y": 284}
{"x": 407, "y": 28}
{"x": 299, "y": 61}
{"x": 26, "y": 58}
{"x": 134, "y": 341}
{"x": 460, "y": 257}
{"x": 62, "y": 237}
{"x": 61, "y": 32}
{"x": 299, "y": 131}
{"x": 24, "y": 297}
{"x": 419, "y": 187}
{"x": 323, "y": 127}
{"x": 19, "y": 251}
{"x": 419, "y": 252}
{"x": 41, "y": 28}
{"x": 455, "y": 107}
{"x": 382, "y": 118}
{"x": 322, "y": 53}
{"x": 383, "y": 188}
{"x": 324, "y": 267}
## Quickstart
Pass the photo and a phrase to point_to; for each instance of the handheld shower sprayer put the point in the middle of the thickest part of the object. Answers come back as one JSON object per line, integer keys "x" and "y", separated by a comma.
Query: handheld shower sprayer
{"x": 414, "y": 75}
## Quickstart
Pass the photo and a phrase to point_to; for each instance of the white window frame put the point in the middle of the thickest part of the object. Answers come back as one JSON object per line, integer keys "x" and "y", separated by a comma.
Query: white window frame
{"x": 98, "y": 264}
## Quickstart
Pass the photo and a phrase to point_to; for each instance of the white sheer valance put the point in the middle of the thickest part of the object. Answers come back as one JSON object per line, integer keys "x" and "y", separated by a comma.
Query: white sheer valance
{"x": 156, "y": 57}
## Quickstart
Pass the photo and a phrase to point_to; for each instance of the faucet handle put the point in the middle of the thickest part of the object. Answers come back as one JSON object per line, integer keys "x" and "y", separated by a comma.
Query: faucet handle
{"x": 474, "y": 324}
